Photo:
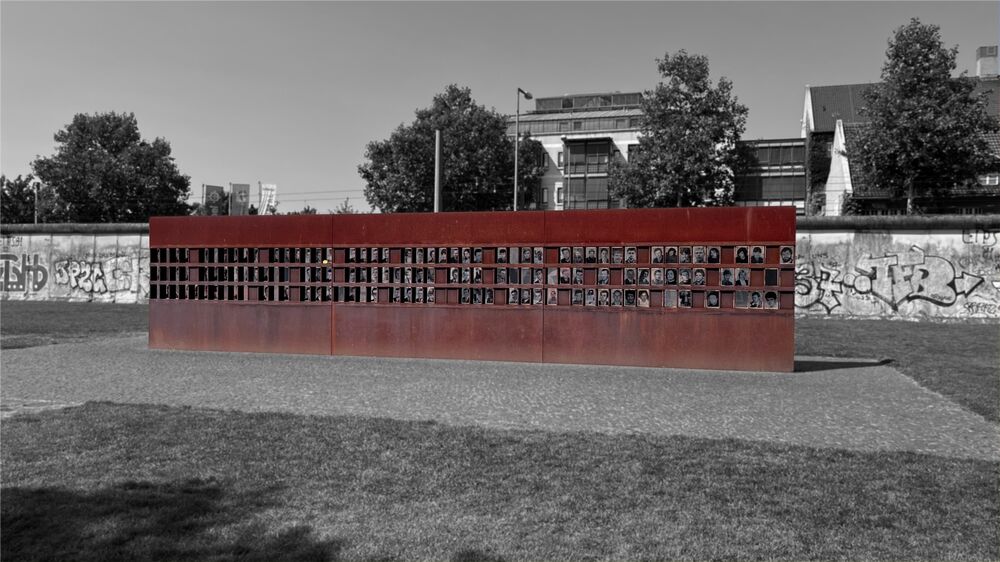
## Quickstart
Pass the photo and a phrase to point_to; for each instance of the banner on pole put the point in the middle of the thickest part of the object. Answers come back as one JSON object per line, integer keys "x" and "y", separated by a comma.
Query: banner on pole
{"x": 215, "y": 200}
{"x": 239, "y": 199}
{"x": 268, "y": 193}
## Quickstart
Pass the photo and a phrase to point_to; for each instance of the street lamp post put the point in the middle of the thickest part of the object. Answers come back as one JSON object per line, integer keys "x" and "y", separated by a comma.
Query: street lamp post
{"x": 517, "y": 136}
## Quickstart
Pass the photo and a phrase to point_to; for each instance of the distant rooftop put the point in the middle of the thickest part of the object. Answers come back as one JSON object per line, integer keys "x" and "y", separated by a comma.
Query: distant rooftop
{"x": 845, "y": 101}
{"x": 588, "y": 102}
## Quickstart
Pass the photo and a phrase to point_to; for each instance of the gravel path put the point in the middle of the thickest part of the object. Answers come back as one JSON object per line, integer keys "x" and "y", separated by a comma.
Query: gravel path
{"x": 833, "y": 404}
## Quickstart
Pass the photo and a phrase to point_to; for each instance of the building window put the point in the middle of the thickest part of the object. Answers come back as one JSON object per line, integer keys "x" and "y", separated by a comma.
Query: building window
{"x": 633, "y": 150}
{"x": 545, "y": 197}
{"x": 621, "y": 123}
{"x": 563, "y": 126}
{"x": 577, "y": 125}
{"x": 559, "y": 196}
{"x": 559, "y": 159}
{"x": 989, "y": 179}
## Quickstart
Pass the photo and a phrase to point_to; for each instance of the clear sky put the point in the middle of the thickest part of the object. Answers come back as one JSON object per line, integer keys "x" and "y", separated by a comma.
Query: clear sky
{"x": 290, "y": 93}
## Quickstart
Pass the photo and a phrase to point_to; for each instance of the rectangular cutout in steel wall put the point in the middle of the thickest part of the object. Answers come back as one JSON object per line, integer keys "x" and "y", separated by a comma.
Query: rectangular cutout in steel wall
{"x": 699, "y": 288}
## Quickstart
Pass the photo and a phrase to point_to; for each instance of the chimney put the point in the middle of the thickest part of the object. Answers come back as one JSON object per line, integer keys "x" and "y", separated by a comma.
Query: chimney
{"x": 986, "y": 62}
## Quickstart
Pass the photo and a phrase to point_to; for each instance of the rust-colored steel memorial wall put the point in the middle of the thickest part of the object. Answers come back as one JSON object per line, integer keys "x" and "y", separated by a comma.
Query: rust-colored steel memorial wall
{"x": 702, "y": 288}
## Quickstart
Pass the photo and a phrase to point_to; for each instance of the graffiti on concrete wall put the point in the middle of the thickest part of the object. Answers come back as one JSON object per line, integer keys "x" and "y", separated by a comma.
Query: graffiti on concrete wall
{"x": 894, "y": 279}
{"x": 107, "y": 268}
{"x": 22, "y": 273}
{"x": 110, "y": 275}
{"x": 879, "y": 275}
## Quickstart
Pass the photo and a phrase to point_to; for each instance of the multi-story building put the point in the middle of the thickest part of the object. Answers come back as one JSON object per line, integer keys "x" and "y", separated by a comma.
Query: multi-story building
{"x": 583, "y": 133}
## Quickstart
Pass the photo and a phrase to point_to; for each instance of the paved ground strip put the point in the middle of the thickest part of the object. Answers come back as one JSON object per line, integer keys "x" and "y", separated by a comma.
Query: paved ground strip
{"x": 850, "y": 406}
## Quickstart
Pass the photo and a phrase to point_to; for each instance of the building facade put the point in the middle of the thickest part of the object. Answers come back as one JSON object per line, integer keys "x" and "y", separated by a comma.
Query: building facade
{"x": 583, "y": 133}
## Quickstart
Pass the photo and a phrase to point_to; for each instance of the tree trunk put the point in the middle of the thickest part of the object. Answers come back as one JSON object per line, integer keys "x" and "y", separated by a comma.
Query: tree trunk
{"x": 909, "y": 196}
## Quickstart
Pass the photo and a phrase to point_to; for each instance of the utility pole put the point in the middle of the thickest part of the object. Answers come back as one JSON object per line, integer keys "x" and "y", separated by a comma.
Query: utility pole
{"x": 437, "y": 170}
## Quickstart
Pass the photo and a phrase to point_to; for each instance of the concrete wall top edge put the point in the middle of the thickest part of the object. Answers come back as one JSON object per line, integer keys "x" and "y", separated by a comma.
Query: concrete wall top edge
{"x": 924, "y": 223}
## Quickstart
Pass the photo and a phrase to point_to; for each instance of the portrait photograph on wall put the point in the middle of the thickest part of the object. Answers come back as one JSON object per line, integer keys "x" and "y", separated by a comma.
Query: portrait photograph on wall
{"x": 603, "y": 276}
{"x": 699, "y": 277}
{"x": 741, "y": 255}
{"x": 603, "y": 297}
{"x": 684, "y": 299}
{"x": 743, "y": 277}
{"x": 657, "y": 276}
{"x": 771, "y": 300}
{"x": 642, "y": 298}
{"x": 712, "y": 299}
{"x": 757, "y": 254}
{"x": 726, "y": 277}
{"x": 787, "y": 255}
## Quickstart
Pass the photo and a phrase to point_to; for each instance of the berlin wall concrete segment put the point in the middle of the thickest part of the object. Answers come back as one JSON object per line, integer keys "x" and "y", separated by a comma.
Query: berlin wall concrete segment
{"x": 923, "y": 268}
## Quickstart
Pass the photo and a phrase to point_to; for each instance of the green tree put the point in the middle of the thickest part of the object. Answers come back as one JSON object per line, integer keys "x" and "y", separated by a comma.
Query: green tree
{"x": 103, "y": 171}
{"x": 477, "y": 160}
{"x": 307, "y": 210}
{"x": 17, "y": 200}
{"x": 926, "y": 131}
{"x": 345, "y": 208}
{"x": 688, "y": 153}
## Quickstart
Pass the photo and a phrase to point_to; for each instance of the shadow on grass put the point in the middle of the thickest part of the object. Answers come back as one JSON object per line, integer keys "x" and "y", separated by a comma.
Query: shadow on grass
{"x": 185, "y": 520}
{"x": 808, "y": 366}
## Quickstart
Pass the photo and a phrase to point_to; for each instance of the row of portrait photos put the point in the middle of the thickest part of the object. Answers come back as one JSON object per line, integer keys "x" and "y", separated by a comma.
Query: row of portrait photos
{"x": 579, "y": 297}
{"x": 656, "y": 276}
{"x": 572, "y": 254}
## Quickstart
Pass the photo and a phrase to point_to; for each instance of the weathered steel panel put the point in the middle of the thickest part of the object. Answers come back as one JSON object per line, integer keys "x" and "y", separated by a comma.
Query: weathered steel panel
{"x": 370, "y": 285}
{"x": 443, "y": 332}
{"x": 230, "y": 326}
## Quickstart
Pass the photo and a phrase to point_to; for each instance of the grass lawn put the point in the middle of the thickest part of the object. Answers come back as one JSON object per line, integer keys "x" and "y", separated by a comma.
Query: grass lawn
{"x": 31, "y": 323}
{"x": 105, "y": 481}
{"x": 960, "y": 361}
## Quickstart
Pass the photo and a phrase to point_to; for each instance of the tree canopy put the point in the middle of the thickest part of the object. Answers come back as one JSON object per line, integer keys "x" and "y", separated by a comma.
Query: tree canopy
{"x": 926, "y": 129}
{"x": 477, "y": 160}
{"x": 103, "y": 171}
{"x": 17, "y": 200}
{"x": 688, "y": 152}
